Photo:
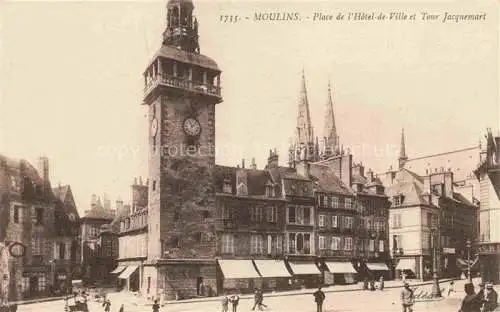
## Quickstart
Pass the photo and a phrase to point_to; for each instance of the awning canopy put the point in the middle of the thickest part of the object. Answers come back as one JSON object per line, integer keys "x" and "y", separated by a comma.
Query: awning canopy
{"x": 272, "y": 268}
{"x": 340, "y": 267}
{"x": 406, "y": 264}
{"x": 377, "y": 267}
{"x": 304, "y": 268}
{"x": 118, "y": 269}
{"x": 128, "y": 271}
{"x": 238, "y": 269}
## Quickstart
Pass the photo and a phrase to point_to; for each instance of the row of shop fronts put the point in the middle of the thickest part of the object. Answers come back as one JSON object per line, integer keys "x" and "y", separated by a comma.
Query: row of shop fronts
{"x": 242, "y": 276}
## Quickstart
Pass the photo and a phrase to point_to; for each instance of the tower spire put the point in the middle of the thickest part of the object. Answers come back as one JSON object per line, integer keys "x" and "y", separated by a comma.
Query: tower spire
{"x": 305, "y": 133}
{"x": 402, "y": 150}
{"x": 182, "y": 27}
{"x": 330, "y": 130}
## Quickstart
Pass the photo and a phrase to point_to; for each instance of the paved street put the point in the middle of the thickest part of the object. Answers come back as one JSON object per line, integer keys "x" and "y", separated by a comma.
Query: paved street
{"x": 383, "y": 301}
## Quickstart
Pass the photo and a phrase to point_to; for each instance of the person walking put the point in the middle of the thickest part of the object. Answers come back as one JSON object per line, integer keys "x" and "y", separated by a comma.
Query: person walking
{"x": 319, "y": 297}
{"x": 381, "y": 283}
{"x": 256, "y": 299}
{"x": 107, "y": 305}
{"x": 451, "y": 288}
{"x": 407, "y": 298}
{"x": 225, "y": 303}
{"x": 365, "y": 283}
{"x": 156, "y": 306}
{"x": 471, "y": 301}
{"x": 490, "y": 298}
{"x": 261, "y": 300}
{"x": 122, "y": 308}
{"x": 235, "y": 300}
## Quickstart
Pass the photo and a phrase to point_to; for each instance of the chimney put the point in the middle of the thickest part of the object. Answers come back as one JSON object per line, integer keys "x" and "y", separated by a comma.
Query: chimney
{"x": 135, "y": 181}
{"x": 369, "y": 176}
{"x": 254, "y": 165}
{"x": 359, "y": 169}
{"x": 241, "y": 182}
{"x": 140, "y": 180}
{"x": 303, "y": 168}
{"x": 448, "y": 184}
{"x": 93, "y": 200}
{"x": 43, "y": 168}
{"x": 427, "y": 184}
{"x": 119, "y": 206}
{"x": 272, "y": 160}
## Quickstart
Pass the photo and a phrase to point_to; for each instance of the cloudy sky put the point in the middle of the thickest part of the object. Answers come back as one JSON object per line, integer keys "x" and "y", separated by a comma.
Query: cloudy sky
{"x": 71, "y": 84}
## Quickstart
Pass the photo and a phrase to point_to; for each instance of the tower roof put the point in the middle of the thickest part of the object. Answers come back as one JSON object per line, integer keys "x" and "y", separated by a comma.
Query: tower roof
{"x": 305, "y": 133}
{"x": 330, "y": 130}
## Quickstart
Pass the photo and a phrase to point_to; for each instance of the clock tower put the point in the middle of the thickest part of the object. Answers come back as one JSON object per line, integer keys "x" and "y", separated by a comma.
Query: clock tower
{"x": 181, "y": 90}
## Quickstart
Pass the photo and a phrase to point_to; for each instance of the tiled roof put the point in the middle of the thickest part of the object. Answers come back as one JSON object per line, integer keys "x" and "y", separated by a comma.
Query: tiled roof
{"x": 256, "y": 179}
{"x": 326, "y": 181}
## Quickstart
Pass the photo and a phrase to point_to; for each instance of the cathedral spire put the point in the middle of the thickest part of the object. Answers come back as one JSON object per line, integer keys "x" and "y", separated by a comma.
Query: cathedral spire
{"x": 402, "y": 150}
{"x": 330, "y": 131}
{"x": 182, "y": 27}
{"x": 305, "y": 133}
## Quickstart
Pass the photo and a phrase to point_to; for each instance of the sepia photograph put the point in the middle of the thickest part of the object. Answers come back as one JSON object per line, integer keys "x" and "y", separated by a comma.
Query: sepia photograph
{"x": 298, "y": 156}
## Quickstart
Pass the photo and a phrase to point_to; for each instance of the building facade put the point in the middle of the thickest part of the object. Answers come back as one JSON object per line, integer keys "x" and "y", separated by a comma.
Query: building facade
{"x": 430, "y": 221}
{"x": 213, "y": 229}
{"x": 41, "y": 220}
{"x": 489, "y": 212}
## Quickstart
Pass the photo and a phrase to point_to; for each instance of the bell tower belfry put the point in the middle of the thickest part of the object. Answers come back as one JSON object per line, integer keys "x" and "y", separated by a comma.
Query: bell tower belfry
{"x": 181, "y": 89}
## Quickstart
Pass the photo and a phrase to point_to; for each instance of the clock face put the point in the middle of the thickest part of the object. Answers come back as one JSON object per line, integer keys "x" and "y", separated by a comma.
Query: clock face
{"x": 154, "y": 127}
{"x": 192, "y": 127}
{"x": 17, "y": 250}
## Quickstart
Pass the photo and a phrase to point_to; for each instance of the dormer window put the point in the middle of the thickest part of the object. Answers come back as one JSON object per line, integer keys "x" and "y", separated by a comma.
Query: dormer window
{"x": 270, "y": 190}
{"x": 437, "y": 189}
{"x": 398, "y": 200}
{"x": 226, "y": 187}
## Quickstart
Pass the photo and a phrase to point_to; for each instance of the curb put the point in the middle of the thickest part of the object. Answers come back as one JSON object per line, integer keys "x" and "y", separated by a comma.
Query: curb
{"x": 37, "y": 300}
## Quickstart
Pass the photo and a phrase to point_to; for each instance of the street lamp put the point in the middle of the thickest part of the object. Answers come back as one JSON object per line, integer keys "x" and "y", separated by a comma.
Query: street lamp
{"x": 436, "y": 291}
{"x": 468, "y": 245}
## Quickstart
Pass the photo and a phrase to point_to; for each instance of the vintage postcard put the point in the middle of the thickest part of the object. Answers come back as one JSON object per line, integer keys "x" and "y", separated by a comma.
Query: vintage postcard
{"x": 194, "y": 155}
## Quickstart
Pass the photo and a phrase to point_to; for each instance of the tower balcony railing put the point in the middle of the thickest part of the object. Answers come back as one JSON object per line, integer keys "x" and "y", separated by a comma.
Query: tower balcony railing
{"x": 181, "y": 83}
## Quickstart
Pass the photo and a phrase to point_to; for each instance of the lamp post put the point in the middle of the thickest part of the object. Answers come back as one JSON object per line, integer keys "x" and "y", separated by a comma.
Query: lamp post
{"x": 436, "y": 291}
{"x": 468, "y": 245}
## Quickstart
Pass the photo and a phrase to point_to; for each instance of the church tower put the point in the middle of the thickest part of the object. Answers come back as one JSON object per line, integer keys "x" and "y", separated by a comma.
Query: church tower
{"x": 402, "y": 151}
{"x": 330, "y": 138}
{"x": 181, "y": 90}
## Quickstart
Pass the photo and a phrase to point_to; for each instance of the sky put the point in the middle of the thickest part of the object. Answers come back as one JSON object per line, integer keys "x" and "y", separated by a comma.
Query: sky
{"x": 71, "y": 83}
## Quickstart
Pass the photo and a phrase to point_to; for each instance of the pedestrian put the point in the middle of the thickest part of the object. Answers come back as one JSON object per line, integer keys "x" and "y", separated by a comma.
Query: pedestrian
{"x": 407, "y": 298}
{"x": 256, "y": 299}
{"x": 225, "y": 303}
{"x": 235, "y": 299}
{"x": 319, "y": 297}
{"x": 381, "y": 285}
{"x": 365, "y": 284}
{"x": 490, "y": 298}
{"x": 451, "y": 288}
{"x": 372, "y": 285}
{"x": 403, "y": 276}
{"x": 107, "y": 305}
{"x": 261, "y": 300}
{"x": 122, "y": 308}
{"x": 471, "y": 301}
{"x": 156, "y": 306}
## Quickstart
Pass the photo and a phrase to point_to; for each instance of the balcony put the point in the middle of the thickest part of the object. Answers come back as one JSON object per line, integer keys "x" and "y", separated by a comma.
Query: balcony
{"x": 183, "y": 84}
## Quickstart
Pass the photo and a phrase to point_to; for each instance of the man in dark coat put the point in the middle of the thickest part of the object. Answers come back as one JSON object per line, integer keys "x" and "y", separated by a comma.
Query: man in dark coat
{"x": 319, "y": 297}
{"x": 471, "y": 301}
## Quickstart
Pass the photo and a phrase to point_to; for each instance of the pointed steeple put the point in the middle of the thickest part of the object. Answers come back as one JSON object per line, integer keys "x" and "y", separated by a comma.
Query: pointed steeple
{"x": 402, "y": 150}
{"x": 330, "y": 130}
{"x": 304, "y": 131}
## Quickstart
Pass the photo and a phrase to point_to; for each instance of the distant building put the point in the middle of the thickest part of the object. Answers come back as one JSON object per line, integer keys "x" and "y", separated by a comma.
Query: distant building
{"x": 488, "y": 174}
{"x": 95, "y": 220}
{"x": 44, "y": 221}
{"x": 427, "y": 211}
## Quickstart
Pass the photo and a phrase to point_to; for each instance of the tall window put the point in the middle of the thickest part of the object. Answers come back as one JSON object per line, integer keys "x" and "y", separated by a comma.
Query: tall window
{"x": 334, "y": 222}
{"x": 348, "y": 245}
{"x": 62, "y": 250}
{"x": 226, "y": 212}
{"x": 397, "y": 242}
{"x": 36, "y": 246}
{"x": 380, "y": 246}
{"x": 39, "y": 215}
{"x": 348, "y": 203}
{"x": 299, "y": 215}
{"x": 16, "y": 216}
{"x": 271, "y": 214}
{"x": 396, "y": 220}
{"x": 335, "y": 202}
{"x": 322, "y": 242}
{"x": 321, "y": 221}
{"x": 335, "y": 244}
{"x": 270, "y": 244}
{"x": 42, "y": 282}
{"x": 256, "y": 244}
{"x": 279, "y": 244}
{"x": 227, "y": 187}
{"x": 227, "y": 243}
{"x": 348, "y": 222}
{"x": 291, "y": 215}
{"x": 291, "y": 243}
{"x": 372, "y": 245}
{"x": 398, "y": 200}
{"x": 255, "y": 213}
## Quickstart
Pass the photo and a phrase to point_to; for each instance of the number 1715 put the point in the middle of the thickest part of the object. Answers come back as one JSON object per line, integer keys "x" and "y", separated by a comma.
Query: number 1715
{"x": 229, "y": 18}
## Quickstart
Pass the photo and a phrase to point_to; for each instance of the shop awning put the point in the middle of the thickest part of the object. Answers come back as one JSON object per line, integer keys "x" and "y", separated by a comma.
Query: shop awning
{"x": 128, "y": 271}
{"x": 118, "y": 269}
{"x": 340, "y": 267}
{"x": 377, "y": 267}
{"x": 308, "y": 268}
{"x": 272, "y": 268}
{"x": 238, "y": 269}
{"x": 406, "y": 264}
